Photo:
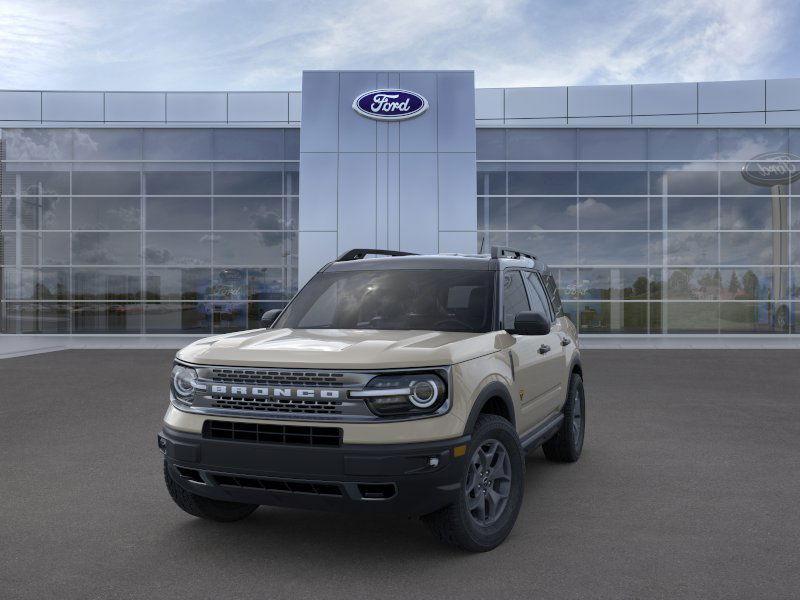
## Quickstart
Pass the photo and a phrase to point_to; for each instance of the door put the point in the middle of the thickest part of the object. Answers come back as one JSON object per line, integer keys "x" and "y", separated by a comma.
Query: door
{"x": 534, "y": 374}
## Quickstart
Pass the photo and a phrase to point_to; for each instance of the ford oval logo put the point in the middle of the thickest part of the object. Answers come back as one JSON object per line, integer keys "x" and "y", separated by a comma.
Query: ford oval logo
{"x": 772, "y": 168}
{"x": 390, "y": 105}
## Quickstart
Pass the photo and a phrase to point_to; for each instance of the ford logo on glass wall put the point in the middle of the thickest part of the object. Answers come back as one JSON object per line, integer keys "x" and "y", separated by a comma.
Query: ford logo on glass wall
{"x": 772, "y": 168}
{"x": 390, "y": 105}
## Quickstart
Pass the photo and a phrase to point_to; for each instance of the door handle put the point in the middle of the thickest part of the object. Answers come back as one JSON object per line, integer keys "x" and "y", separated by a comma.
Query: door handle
{"x": 565, "y": 341}
{"x": 544, "y": 349}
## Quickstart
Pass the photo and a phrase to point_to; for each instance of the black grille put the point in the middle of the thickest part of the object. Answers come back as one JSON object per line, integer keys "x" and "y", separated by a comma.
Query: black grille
{"x": 282, "y": 405}
{"x": 269, "y": 377}
{"x": 279, "y": 485}
{"x": 273, "y": 434}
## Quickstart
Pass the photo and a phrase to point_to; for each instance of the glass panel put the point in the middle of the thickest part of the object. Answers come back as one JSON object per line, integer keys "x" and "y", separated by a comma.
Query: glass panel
{"x": 256, "y": 309}
{"x": 37, "y": 284}
{"x": 566, "y": 281}
{"x": 732, "y": 182}
{"x": 248, "y": 144}
{"x": 754, "y": 283}
{"x": 8, "y": 213}
{"x": 750, "y": 248}
{"x": 107, "y": 144}
{"x": 612, "y": 144}
{"x": 552, "y": 248}
{"x": 178, "y": 183}
{"x": 253, "y": 248}
{"x": 541, "y": 144}
{"x": 248, "y": 213}
{"x": 691, "y": 317}
{"x": 794, "y": 286}
{"x": 117, "y": 183}
{"x": 754, "y": 213}
{"x": 541, "y": 213}
{"x": 248, "y": 182}
{"x": 291, "y": 144}
{"x": 106, "y": 213}
{"x": 291, "y": 179}
{"x": 524, "y": 180}
{"x": 613, "y": 317}
{"x": 106, "y": 284}
{"x": 656, "y": 308}
{"x": 34, "y": 317}
{"x": 656, "y": 213}
{"x": 8, "y": 248}
{"x": 491, "y": 179}
{"x": 682, "y": 144}
{"x": 656, "y": 284}
{"x": 750, "y": 317}
{"x": 178, "y": 248}
{"x": 175, "y": 317}
{"x": 105, "y": 248}
{"x": 613, "y": 248}
{"x": 613, "y": 284}
{"x": 177, "y": 284}
{"x": 515, "y": 298}
{"x": 45, "y": 248}
{"x": 746, "y": 144}
{"x": 571, "y": 311}
{"x": 490, "y": 144}
{"x": 107, "y": 318}
{"x": 676, "y": 181}
{"x": 795, "y": 256}
{"x": 36, "y": 183}
{"x": 613, "y": 182}
{"x": 693, "y": 284}
{"x": 38, "y": 144}
{"x": 44, "y": 212}
{"x": 178, "y": 144}
{"x": 692, "y": 248}
{"x": 692, "y": 213}
{"x": 612, "y": 213}
{"x": 229, "y": 316}
{"x": 174, "y": 212}
{"x": 795, "y": 221}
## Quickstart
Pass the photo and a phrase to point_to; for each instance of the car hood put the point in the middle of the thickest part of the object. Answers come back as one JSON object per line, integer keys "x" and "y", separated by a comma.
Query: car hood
{"x": 339, "y": 348}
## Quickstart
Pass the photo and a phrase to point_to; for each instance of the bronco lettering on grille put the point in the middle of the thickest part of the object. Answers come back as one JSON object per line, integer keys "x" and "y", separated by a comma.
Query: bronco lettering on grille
{"x": 274, "y": 392}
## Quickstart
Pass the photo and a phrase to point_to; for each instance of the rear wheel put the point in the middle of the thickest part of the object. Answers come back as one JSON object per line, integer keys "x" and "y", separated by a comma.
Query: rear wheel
{"x": 567, "y": 443}
{"x": 492, "y": 488}
{"x": 205, "y": 508}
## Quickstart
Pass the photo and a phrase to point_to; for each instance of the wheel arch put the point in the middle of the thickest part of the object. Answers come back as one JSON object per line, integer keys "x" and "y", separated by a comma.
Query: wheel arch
{"x": 494, "y": 399}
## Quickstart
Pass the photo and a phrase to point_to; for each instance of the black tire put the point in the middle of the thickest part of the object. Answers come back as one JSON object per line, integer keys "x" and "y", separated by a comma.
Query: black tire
{"x": 567, "y": 443}
{"x": 206, "y": 508}
{"x": 455, "y": 525}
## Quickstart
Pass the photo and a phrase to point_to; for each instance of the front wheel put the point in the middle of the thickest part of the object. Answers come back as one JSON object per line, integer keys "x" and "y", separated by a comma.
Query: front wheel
{"x": 205, "y": 508}
{"x": 492, "y": 488}
{"x": 567, "y": 443}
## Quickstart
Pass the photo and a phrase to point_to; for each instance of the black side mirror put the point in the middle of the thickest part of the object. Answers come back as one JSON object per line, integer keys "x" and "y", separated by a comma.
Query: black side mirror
{"x": 531, "y": 323}
{"x": 268, "y": 318}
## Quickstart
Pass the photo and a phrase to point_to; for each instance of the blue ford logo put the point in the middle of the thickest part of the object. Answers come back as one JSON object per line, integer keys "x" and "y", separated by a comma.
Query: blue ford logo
{"x": 390, "y": 105}
{"x": 772, "y": 168}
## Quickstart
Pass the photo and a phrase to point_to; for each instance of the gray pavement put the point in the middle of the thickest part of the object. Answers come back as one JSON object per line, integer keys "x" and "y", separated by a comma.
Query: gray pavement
{"x": 688, "y": 488}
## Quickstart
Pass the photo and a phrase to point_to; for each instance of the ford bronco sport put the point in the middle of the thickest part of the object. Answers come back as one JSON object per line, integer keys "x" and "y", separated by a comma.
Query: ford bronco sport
{"x": 405, "y": 384}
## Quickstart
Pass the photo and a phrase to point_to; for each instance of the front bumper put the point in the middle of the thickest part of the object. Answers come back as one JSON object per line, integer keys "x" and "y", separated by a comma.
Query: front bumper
{"x": 409, "y": 479}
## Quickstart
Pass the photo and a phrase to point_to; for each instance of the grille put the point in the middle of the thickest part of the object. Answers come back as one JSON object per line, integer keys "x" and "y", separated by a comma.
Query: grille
{"x": 268, "y": 377}
{"x": 279, "y": 485}
{"x": 282, "y": 405}
{"x": 273, "y": 434}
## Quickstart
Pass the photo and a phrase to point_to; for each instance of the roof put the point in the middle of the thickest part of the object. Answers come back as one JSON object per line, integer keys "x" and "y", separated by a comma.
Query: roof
{"x": 476, "y": 262}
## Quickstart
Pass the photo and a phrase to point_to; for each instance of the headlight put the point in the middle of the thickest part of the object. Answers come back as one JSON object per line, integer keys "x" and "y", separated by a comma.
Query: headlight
{"x": 404, "y": 395}
{"x": 183, "y": 383}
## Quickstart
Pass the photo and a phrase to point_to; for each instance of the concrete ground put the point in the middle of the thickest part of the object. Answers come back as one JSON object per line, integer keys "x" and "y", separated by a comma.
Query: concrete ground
{"x": 688, "y": 488}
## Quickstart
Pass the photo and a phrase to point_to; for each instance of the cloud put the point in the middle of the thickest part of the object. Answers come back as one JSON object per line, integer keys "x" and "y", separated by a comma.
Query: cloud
{"x": 212, "y": 44}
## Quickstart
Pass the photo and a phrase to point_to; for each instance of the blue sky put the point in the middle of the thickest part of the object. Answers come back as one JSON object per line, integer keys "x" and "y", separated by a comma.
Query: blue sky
{"x": 253, "y": 45}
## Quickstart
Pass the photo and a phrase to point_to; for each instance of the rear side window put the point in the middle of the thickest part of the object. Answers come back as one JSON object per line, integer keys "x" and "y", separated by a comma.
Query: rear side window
{"x": 555, "y": 298}
{"x": 515, "y": 298}
{"x": 537, "y": 295}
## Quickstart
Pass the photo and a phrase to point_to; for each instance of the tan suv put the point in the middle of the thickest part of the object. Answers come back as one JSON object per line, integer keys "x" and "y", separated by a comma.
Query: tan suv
{"x": 398, "y": 384}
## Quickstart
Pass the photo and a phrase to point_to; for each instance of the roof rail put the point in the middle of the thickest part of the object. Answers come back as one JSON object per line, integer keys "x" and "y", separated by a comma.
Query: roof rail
{"x": 359, "y": 253}
{"x": 503, "y": 251}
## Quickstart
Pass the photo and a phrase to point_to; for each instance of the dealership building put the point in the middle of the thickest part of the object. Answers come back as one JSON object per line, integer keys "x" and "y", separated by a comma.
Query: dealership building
{"x": 665, "y": 210}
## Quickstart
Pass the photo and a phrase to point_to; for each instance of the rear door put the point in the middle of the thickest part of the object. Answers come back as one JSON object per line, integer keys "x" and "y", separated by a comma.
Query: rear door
{"x": 531, "y": 368}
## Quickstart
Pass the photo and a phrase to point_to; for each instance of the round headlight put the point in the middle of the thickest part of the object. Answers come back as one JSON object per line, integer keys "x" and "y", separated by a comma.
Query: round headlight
{"x": 183, "y": 379}
{"x": 423, "y": 393}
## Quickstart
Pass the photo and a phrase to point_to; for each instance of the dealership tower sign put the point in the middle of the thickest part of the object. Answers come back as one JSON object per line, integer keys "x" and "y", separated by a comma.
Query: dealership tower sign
{"x": 772, "y": 168}
{"x": 390, "y": 104}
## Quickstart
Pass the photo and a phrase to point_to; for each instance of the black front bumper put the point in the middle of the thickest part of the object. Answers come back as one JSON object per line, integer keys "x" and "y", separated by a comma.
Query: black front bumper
{"x": 410, "y": 479}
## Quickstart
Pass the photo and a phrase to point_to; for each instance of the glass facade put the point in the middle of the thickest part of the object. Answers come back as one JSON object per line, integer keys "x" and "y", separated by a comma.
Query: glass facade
{"x": 146, "y": 230}
{"x": 650, "y": 231}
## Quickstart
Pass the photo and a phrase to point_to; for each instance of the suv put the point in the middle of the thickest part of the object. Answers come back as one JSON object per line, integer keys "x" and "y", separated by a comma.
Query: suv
{"x": 399, "y": 384}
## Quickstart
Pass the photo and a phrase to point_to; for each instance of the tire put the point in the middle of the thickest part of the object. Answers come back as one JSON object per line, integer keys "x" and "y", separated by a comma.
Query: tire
{"x": 567, "y": 443}
{"x": 205, "y": 508}
{"x": 457, "y": 525}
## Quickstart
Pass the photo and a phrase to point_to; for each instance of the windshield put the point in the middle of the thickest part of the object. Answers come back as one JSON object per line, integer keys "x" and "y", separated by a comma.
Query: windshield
{"x": 437, "y": 300}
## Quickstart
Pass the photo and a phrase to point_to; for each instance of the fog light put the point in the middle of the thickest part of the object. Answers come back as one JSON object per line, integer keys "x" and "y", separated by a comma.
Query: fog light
{"x": 433, "y": 461}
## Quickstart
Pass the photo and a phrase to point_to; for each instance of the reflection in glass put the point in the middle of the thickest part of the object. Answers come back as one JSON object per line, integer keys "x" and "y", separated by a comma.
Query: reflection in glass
{"x": 178, "y": 248}
{"x": 612, "y": 144}
{"x": 178, "y": 144}
{"x": 755, "y": 283}
{"x": 38, "y": 144}
{"x": 552, "y": 248}
{"x": 491, "y": 144}
{"x": 36, "y": 317}
{"x": 693, "y": 284}
{"x": 176, "y": 317}
{"x": 541, "y": 144}
{"x": 750, "y": 248}
{"x": 229, "y": 316}
{"x": 692, "y": 248}
{"x": 491, "y": 180}
{"x": 252, "y": 248}
{"x": 612, "y": 317}
{"x": 613, "y": 248}
{"x": 250, "y": 182}
{"x": 104, "y": 248}
{"x": 754, "y": 213}
{"x": 248, "y": 213}
{"x": 612, "y": 284}
{"x": 107, "y": 317}
{"x": 44, "y": 212}
{"x": 173, "y": 212}
{"x": 178, "y": 183}
{"x": 692, "y": 213}
{"x": 248, "y": 144}
{"x": 36, "y": 183}
{"x": 107, "y": 144}
{"x": 612, "y": 213}
{"x": 522, "y": 182}
{"x": 676, "y": 181}
{"x": 106, "y": 213}
{"x": 682, "y": 144}
{"x": 690, "y": 317}
{"x": 177, "y": 284}
{"x": 38, "y": 284}
{"x": 106, "y": 284}
{"x": 117, "y": 183}
{"x": 613, "y": 182}
{"x": 751, "y": 317}
{"x": 47, "y": 248}
{"x": 541, "y": 213}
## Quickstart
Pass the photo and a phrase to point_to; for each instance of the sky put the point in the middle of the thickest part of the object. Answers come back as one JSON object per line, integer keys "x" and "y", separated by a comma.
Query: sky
{"x": 265, "y": 45}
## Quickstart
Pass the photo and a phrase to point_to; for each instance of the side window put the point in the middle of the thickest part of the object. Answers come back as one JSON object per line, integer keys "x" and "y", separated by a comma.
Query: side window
{"x": 538, "y": 299}
{"x": 515, "y": 299}
{"x": 555, "y": 297}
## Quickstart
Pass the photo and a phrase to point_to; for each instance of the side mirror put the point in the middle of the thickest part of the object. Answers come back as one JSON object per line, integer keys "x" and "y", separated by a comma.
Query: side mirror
{"x": 531, "y": 323}
{"x": 268, "y": 318}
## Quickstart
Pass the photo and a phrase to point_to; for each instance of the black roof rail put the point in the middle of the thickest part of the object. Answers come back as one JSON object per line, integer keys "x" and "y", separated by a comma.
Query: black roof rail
{"x": 503, "y": 251}
{"x": 359, "y": 253}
